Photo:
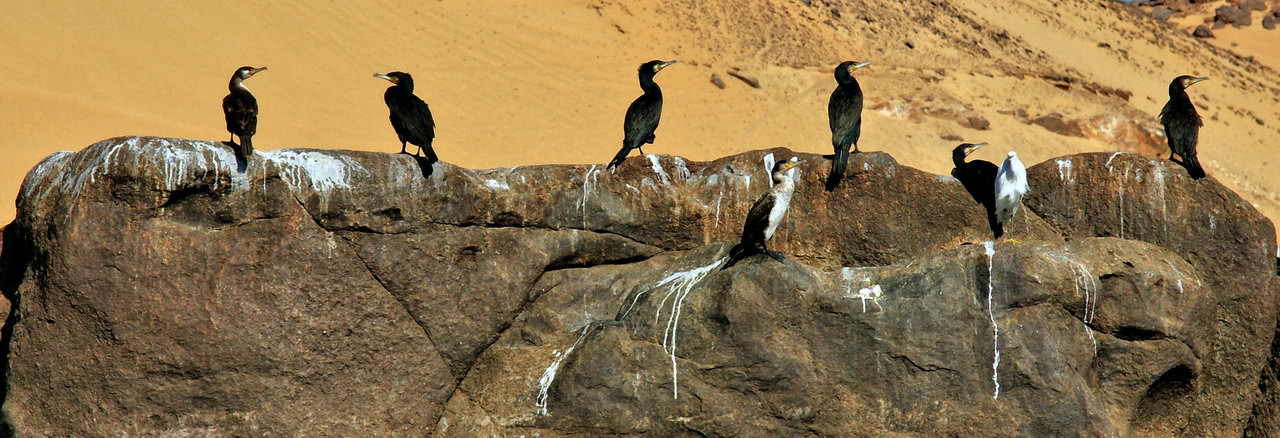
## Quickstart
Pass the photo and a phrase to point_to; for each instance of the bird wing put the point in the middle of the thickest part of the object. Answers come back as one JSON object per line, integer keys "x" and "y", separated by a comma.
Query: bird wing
{"x": 411, "y": 117}
{"x": 1181, "y": 126}
{"x": 758, "y": 219}
{"x": 844, "y": 112}
{"x": 641, "y": 120}
{"x": 241, "y": 112}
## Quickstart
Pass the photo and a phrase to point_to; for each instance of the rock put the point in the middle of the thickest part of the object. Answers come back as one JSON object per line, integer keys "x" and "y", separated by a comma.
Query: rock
{"x": 715, "y": 80}
{"x": 1161, "y": 13}
{"x": 745, "y": 78}
{"x": 1202, "y": 32}
{"x": 1269, "y": 22}
{"x": 339, "y": 293}
{"x": 1055, "y": 123}
{"x": 1254, "y": 5}
{"x": 1232, "y": 15}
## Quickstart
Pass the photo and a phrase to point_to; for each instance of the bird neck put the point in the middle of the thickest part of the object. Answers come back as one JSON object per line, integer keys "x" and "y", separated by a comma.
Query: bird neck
{"x": 647, "y": 84}
{"x": 843, "y": 77}
{"x": 957, "y": 158}
{"x": 782, "y": 182}
{"x": 1176, "y": 91}
{"x": 237, "y": 84}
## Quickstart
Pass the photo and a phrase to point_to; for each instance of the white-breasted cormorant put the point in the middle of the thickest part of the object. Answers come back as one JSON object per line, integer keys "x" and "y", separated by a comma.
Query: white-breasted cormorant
{"x": 766, "y": 215}
{"x": 1182, "y": 124}
{"x": 644, "y": 112}
{"x": 844, "y": 111}
{"x": 410, "y": 116}
{"x": 1010, "y": 187}
{"x": 241, "y": 111}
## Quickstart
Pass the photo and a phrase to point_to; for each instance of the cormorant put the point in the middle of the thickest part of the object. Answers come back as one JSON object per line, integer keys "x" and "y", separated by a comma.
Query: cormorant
{"x": 644, "y": 112}
{"x": 1010, "y": 187}
{"x": 844, "y": 111}
{"x": 241, "y": 111}
{"x": 410, "y": 116}
{"x": 1182, "y": 124}
{"x": 766, "y": 214}
{"x": 978, "y": 178}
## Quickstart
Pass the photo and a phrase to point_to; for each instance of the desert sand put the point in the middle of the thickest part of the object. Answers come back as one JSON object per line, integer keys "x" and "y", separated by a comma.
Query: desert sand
{"x": 547, "y": 82}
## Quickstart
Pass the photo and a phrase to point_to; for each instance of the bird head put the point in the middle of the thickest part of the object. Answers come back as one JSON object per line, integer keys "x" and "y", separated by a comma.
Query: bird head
{"x": 655, "y": 66}
{"x": 844, "y": 71}
{"x": 964, "y": 149}
{"x": 247, "y": 72}
{"x": 969, "y": 148}
{"x": 1185, "y": 81}
{"x": 399, "y": 78}
{"x": 782, "y": 169}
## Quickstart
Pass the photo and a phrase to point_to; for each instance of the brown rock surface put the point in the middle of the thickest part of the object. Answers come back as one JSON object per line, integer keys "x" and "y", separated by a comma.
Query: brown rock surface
{"x": 335, "y": 293}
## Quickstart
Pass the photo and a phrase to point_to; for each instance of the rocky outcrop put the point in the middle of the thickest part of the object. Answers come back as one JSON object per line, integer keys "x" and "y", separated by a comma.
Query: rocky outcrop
{"x": 160, "y": 291}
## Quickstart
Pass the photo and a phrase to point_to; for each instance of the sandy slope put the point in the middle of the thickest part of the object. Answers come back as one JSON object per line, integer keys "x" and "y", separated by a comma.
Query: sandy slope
{"x": 548, "y": 81}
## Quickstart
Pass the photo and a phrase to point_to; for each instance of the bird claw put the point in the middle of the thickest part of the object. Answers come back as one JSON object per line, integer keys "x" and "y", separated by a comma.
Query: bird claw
{"x": 777, "y": 256}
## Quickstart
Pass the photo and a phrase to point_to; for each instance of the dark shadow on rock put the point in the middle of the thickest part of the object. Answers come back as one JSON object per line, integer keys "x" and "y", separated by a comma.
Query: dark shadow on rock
{"x": 15, "y": 257}
{"x": 979, "y": 179}
{"x": 425, "y": 164}
{"x": 242, "y": 162}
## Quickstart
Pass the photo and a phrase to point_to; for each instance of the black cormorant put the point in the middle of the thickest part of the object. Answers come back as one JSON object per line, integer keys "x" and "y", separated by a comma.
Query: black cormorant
{"x": 844, "y": 111}
{"x": 766, "y": 214}
{"x": 410, "y": 116}
{"x": 644, "y": 112}
{"x": 1182, "y": 124}
{"x": 241, "y": 111}
{"x": 978, "y": 178}
{"x": 1010, "y": 187}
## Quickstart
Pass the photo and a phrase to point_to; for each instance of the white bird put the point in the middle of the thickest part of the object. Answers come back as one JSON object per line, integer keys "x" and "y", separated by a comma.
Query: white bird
{"x": 1010, "y": 187}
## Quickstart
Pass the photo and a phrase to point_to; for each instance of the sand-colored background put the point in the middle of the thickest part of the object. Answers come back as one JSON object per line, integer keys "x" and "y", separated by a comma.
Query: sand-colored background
{"x": 514, "y": 83}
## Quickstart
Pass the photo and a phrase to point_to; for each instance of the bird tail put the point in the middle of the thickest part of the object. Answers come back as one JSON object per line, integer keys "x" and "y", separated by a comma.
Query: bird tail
{"x": 738, "y": 252}
{"x": 246, "y": 146}
{"x": 1193, "y": 167}
{"x": 838, "y": 165}
{"x": 620, "y": 157}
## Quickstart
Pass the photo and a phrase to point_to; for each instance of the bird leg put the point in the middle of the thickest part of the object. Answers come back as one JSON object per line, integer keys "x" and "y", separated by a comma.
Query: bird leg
{"x": 641, "y": 149}
{"x": 402, "y": 148}
{"x": 232, "y": 140}
{"x": 855, "y": 149}
{"x": 776, "y": 256}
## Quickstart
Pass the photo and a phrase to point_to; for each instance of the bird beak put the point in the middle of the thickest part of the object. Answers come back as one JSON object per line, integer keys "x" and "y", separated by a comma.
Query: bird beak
{"x": 661, "y": 66}
{"x": 859, "y": 65}
{"x": 1194, "y": 80}
{"x": 382, "y": 76}
{"x": 791, "y": 164}
{"x": 256, "y": 70}
{"x": 972, "y": 148}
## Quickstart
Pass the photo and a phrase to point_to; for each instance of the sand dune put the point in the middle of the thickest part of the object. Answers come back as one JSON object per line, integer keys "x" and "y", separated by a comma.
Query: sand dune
{"x": 548, "y": 82}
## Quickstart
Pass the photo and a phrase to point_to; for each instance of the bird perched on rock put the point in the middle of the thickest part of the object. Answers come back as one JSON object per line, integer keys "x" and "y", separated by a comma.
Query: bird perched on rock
{"x": 643, "y": 114}
{"x": 766, "y": 215}
{"x": 978, "y": 178}
{"x": 1010, "y": 187}
{"x": 844, "y": 112}
{"x": 410, "y": 116}
{"x": 1182, "y": 124}
{"x": 241, "y": 111}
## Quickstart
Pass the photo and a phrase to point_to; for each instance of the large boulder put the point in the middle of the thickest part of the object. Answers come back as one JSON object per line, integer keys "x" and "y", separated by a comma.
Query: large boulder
{"x": 159, "y": 289}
